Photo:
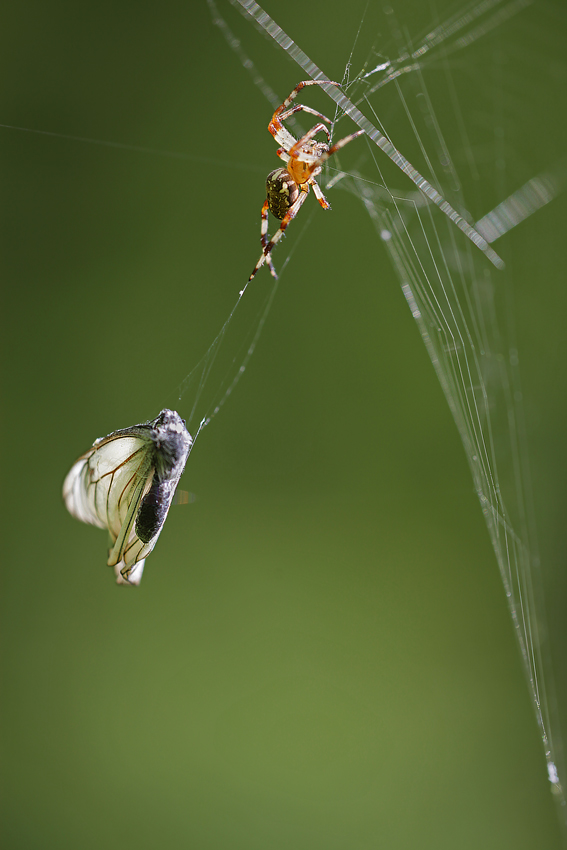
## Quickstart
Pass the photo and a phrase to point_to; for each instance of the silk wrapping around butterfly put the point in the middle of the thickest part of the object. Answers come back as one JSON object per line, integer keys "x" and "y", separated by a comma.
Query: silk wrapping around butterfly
{"x": 126, "y": 483}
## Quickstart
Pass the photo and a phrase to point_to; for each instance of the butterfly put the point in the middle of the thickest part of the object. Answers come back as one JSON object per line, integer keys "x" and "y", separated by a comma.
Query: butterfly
{"x": 126, "y": 483}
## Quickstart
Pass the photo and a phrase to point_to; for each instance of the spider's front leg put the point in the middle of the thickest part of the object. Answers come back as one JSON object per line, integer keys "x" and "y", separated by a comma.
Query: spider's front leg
{"x": 338, "y": 145}
{"x": 276, "y": 128}
{"x": 302, "y": 108}
{"x": 287, "y": 102}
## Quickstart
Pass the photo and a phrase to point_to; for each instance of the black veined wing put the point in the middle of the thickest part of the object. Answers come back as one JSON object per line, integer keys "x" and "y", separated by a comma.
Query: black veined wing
{"x": 125, "y": 483}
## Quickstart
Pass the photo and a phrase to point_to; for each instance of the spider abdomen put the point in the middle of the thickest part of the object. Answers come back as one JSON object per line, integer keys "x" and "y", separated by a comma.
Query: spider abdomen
{"x": 281, "y": 191}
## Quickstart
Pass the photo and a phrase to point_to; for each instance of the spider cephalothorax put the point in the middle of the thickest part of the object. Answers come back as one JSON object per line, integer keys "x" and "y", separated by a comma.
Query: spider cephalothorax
{"x": 287, "y": 188}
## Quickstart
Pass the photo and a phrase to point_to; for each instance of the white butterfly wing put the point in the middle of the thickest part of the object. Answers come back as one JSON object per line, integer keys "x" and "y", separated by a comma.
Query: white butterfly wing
{"x": 105, "y": 488}
{"x": 76, "y": 493}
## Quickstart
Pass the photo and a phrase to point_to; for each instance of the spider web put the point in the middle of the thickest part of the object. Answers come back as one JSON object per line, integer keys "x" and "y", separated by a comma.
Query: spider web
{"x": 451, "y": 100}
{"x": 462, "y": 304}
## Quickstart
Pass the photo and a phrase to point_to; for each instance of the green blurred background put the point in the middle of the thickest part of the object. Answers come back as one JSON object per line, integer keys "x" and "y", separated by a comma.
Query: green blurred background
{"x": 320, "y": 653}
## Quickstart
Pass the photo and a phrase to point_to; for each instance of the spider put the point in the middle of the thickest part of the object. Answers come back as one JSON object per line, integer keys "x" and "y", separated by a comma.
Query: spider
{"x": 287, "y": 188}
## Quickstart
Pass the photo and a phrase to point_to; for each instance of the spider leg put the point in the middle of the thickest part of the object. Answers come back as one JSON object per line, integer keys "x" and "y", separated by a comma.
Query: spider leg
{"x": 289, "y": 216}
{"x": 293, "y": 152}
{"x": 301, "y": 108}
{"x": 264, "y": 236}
{"x": 338, "y": 145}
{"x": 319, "y": 194}
{"x": 303, "y": 166}
{"x": 282, "y": 135}
{"x": 298, "y": 88}
{"x": 276, "y": 128}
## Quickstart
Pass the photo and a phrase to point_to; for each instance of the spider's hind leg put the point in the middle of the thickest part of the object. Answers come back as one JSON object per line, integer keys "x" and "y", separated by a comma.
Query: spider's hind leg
{"x": 265, "y": 257}
{"x": 289, "y": 216}
{"x": 264, "y": 238}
